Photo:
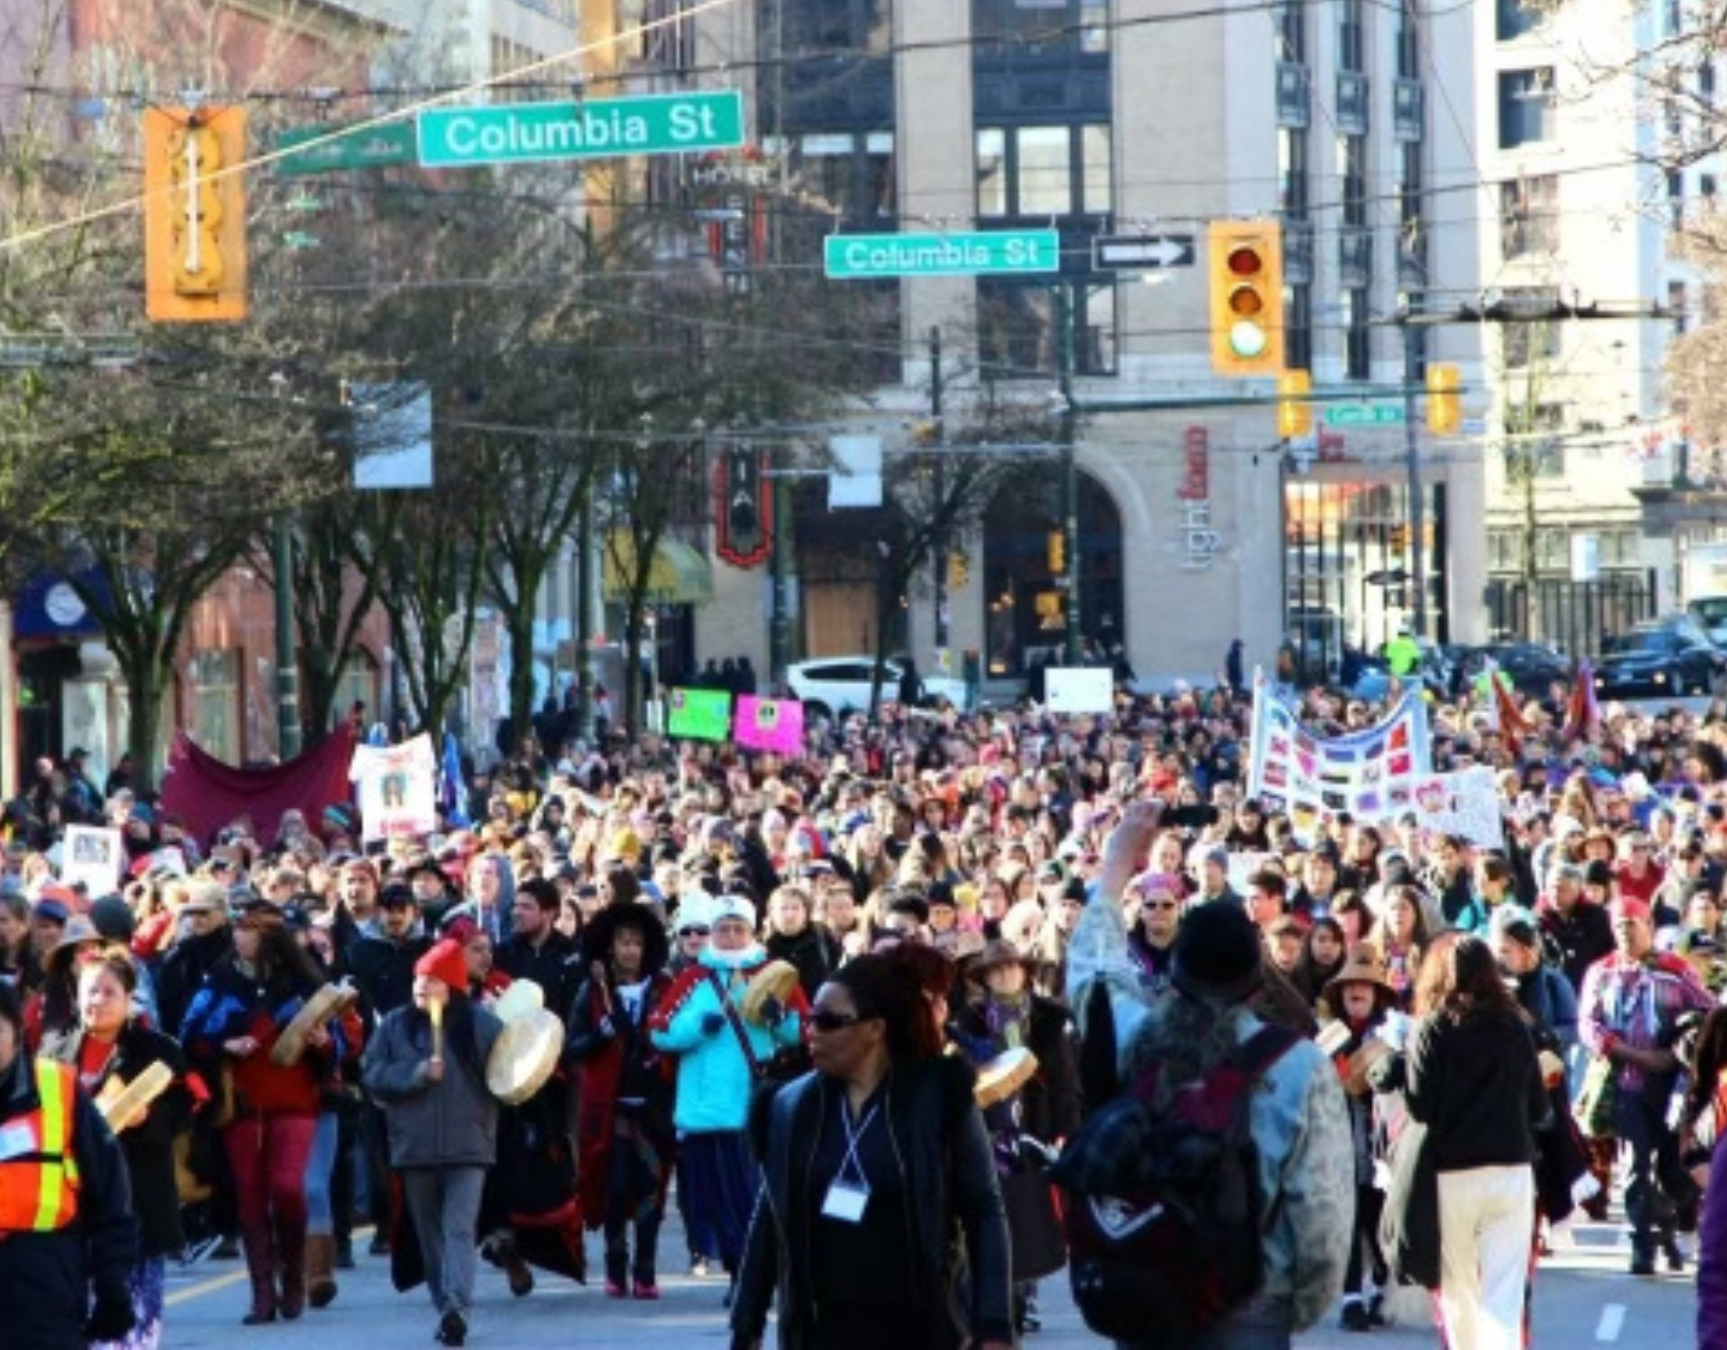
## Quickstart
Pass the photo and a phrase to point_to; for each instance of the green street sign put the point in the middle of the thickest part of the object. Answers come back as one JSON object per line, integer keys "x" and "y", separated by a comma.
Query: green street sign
{"x": 1364, "y": 415}
{"x": 527, "y": 133}
{"x": 378, "y": 147}
{"x": 864, "y": 257}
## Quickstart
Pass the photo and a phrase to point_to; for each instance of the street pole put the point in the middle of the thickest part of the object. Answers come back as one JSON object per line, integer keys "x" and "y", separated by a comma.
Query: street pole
{"x": 1069, "y": 478}
{"x": 287, "y": 666}
{"x": 780, "y": 628}
{"x": 1412, "y": 469}
{"x": 939, "y": 543}
{"x": 586, "y": 568}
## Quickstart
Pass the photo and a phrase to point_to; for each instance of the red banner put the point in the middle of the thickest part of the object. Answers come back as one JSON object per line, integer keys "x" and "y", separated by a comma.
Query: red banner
{"x": 209, "y": 795}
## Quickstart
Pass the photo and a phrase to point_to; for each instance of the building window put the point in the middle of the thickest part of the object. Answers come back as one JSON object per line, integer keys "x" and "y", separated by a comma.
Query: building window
{"x": 359, "y": 684}
{"x": 1512, "y": 20}
{"x": 1527, "y": 107}
{"x": 1706, "y": 83}
{"x": 1409, "y": 42}
{"x": 1292, "y": 31}
{"x": 213, "y": 675}
{"x": 1018, "y": 336}
{"x": 1351, "y": 40}
{"x": 1352, "y": 179}
{"x": 853, "y": 175}
{"x": 1044, "y": 171}
{"x": 1529, "y": 216}
{"x": 1676, "y": 198}
{"x": 1676, "y": 304}
{"x": 1292, "y": 197}
{"x": 1524, "y": 343}
{"x": 1707, "y": 187}
{"x": 1040, "y": 27}
{"x": 1357, "y": 347}
{"x": 1298, "y": 327}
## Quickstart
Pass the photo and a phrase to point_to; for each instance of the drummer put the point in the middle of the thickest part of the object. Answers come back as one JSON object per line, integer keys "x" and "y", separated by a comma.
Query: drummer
{"x": 426, "y": 1066}
{"x": 1002, "y": 1015}
{"x": 1362, "y": 997}
{"x": 110, "y": 1048}
{"x": 701, "y": 1020}
{"x": 627, "y": 1139}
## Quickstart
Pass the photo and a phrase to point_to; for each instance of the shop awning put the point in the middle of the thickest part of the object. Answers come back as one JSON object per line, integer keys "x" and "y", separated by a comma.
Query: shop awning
{"x": 680, "y": 573}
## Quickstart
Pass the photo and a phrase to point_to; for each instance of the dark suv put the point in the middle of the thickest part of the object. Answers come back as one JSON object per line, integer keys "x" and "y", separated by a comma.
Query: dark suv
{"x": 1663, "y": 657}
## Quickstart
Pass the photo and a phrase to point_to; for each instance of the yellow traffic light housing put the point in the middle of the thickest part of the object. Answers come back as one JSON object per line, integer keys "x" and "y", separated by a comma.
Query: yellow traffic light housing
{"x": 1294, "y": 412}
{"x": 958, "y": 570}
{"x": 1246, "y": 270}
{"x": 1056, "y": 551}
{"x": 1444, "y": 399}
{"x": 194, "y": 214}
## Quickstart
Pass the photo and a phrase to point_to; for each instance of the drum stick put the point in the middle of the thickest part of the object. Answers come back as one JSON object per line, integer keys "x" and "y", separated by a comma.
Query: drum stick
{"x": 435, "y": 1010}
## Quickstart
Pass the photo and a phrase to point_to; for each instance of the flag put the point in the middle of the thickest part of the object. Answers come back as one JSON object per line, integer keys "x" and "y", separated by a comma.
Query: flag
{"x": 452, "y": 791}
{"x": 1581, "y": 710}
{"x": 1506, "y": 714}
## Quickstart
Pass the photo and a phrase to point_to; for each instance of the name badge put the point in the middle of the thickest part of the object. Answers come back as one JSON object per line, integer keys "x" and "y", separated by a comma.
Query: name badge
{"x": 845, "y": 1201}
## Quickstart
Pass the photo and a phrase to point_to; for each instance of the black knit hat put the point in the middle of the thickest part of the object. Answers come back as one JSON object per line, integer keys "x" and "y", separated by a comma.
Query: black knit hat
{"x": 1218, "y": 952}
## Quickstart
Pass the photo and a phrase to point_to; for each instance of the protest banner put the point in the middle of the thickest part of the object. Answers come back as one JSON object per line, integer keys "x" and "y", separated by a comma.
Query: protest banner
{"x": 1079, "y": 689}
{"x": 775, "y": 724}
{"x": 94, "y": 856}
{"x": 699, "y": 714}
{"x": 397, "y": 788}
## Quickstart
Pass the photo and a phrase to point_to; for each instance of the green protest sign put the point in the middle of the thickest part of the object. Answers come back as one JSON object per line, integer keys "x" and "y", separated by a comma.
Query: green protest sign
{"x": 699, "y": 714}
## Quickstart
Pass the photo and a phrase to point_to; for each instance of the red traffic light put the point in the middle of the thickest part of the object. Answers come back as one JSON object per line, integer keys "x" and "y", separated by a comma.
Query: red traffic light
{"x": 1245, "y": 260}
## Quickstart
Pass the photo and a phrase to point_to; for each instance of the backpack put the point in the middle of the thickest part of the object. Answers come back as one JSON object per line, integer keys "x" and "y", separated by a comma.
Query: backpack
{"x": 1164, "y": 1215}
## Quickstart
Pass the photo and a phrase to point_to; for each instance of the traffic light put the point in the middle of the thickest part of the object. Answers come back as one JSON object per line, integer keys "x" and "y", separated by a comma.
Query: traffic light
{"x": 1294, "y": 412}
{"x": 194, "y": 214}
{"x": 958, "y": 571}
{"x": 1056, "y": 549}
{"x": 1444, "y": 402}
{"x": 1397, "y": 539}
{"x": 1246, "y": 268}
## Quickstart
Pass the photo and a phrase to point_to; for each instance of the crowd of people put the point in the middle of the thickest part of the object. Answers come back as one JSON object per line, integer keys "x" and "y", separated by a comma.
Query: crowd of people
{"x": 850, "y": 1007}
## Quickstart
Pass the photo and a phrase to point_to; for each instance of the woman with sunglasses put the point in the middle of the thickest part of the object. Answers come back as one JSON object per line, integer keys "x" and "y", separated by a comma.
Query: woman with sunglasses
{"x": 870, "y": 1164}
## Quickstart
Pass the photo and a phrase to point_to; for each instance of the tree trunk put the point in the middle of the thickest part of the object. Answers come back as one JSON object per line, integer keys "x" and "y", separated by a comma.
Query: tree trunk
{"x": 521, "y": 626}
{"x": 145, "y": 681}
{"x": 633, "y": 625}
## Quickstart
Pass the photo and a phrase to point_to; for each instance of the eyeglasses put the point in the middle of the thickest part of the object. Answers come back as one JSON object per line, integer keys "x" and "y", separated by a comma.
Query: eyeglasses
{"x": 692, "y": 932}
{"x": 823, "y": 1020}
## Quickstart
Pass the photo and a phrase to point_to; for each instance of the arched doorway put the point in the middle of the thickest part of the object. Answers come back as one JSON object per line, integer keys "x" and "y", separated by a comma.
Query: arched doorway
{"x": 1026, "y": 614}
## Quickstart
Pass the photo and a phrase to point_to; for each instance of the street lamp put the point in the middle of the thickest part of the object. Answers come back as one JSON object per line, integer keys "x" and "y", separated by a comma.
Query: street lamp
{"x": 287, "y": 665}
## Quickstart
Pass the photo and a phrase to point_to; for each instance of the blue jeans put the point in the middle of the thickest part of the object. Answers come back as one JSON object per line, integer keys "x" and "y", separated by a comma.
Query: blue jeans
{"x": 320, "y": 1167}
{"x": 1262, "y": 1323}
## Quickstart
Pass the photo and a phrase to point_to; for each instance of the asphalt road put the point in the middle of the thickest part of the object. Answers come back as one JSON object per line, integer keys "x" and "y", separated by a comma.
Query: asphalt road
{"x": 1583, "y": 1298}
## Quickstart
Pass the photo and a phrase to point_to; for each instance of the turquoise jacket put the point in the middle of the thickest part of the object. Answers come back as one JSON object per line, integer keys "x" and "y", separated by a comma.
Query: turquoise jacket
{"x": 714, "y": 1077}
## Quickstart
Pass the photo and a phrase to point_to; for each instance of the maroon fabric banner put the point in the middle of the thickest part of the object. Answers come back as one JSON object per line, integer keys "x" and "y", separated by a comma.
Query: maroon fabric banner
{"x": 209, "y": 795}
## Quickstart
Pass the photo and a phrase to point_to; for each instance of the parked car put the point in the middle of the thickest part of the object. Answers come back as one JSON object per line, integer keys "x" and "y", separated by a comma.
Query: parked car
{"x": 1658, "y": 658}
{"x": 1532, "y": 667}
{"x": 1710, "y": 614}
{"x": 835, "y": 685}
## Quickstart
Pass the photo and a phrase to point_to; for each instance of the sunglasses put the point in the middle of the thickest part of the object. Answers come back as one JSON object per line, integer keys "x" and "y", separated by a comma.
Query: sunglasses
{"x": 693, "y": 932}
{"x": 1159, "y": 904}
{"x": 833, "y": 1021}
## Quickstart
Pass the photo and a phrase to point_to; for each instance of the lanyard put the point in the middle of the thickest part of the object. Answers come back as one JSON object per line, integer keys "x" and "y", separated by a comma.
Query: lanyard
{"x": 850, "y": 1162}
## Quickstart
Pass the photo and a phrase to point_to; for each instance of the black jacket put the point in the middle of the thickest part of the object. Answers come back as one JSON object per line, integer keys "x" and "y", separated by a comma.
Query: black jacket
{"x": 46, "y": 1278}
{"x": 959, "y": 1231}
{"x": 184, "y": 970}
{"x": 1578, "y": 939}
{"x": 383, "y": 972}
{"x": 556, "y": 966}
{"x": 1478, "y": 1087}
{"x": 148, "y": 1147}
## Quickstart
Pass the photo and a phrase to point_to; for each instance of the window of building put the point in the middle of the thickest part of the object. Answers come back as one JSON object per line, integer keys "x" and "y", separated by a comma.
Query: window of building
{"x": 1351, "y": 40}
{"x": 1018, "y": 334}
{"x": 1524, "y": 343}
{"x": 1298, "y": 327}
{"x": 1676, "y": 198}
{"x": 1292, "y": 31}
{"x": 1706, "y": 82}
{"x": 1409, "y": 41}
{"x": 1352, "y": 179}
{"x": 1529, "y": 216}
{"x": 1676, "y": 307}
{"x": 1512, "y": 20}
{"x": 213, "y": 677}
{"x": 1707, "y": 186}
{"x": 1528, "y": 108}
{"x": 852, "y": 174}
{"x": 1357, "y": 345}
{"x": 1043, "y": 171}
{"x": 1041, "y": 27}
{"x": 1292, "y": 186}
{"x": 359, "y": 684}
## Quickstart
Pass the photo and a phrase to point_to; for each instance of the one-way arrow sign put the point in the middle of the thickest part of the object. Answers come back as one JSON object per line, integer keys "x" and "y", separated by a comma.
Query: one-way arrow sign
{"x": 1124, "y": 252}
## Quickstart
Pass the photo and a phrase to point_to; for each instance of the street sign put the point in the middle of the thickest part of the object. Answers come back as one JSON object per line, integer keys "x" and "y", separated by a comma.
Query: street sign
{"x": 863, "y": 257}
{"x": 1124, "y": 252}
{"x": 527, "y": 133}
{"x": 377, "y": 147}
{"x": 1364, "y": 415}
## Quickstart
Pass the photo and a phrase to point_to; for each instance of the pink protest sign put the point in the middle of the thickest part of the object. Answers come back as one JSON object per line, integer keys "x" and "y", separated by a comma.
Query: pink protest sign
{"x": 775, "y": 724}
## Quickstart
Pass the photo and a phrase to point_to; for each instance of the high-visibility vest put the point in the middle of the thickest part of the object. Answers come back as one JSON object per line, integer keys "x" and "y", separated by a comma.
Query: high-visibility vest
{"x": 39, "y": 1174}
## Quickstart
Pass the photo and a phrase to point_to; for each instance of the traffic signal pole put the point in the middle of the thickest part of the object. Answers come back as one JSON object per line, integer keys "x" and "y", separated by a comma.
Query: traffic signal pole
{"x": 1412, "y": 471}
{"x": 1069, "y": 478}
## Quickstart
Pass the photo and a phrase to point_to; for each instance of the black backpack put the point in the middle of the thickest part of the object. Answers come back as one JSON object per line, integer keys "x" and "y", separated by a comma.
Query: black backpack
{"x": 1164, "y": 1214}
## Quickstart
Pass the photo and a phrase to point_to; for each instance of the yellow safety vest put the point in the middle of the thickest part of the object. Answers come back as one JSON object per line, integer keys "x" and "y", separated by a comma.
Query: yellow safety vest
{"x": 39, "y": 1174}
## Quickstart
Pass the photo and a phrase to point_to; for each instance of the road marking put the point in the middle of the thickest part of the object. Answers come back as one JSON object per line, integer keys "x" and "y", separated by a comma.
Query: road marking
{"x": 203, "y": 1287}
{"x": 1612, "y": 1319}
